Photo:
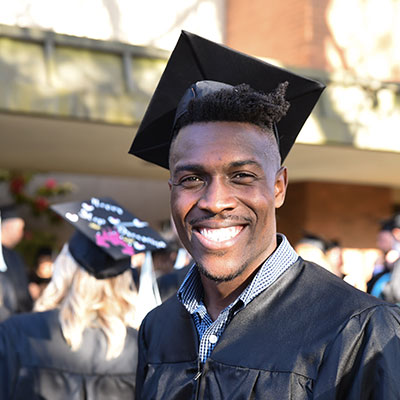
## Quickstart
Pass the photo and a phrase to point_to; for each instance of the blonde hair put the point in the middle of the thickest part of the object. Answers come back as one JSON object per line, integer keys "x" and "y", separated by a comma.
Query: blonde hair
{"x": 85, "y": 301}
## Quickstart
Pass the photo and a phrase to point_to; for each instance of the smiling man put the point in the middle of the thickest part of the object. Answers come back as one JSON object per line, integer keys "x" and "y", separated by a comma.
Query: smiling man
{"x": 252, "y": 320}
{"x": 226, "y": 182}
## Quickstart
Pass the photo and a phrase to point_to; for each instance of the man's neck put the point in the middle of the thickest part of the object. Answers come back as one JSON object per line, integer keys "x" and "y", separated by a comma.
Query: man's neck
{"x": 218, "y": 295}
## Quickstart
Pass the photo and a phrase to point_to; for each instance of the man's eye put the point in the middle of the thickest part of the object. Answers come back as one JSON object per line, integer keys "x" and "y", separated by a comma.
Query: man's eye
{"x": 243, "y": 177}
{"x": 190, "y": 181}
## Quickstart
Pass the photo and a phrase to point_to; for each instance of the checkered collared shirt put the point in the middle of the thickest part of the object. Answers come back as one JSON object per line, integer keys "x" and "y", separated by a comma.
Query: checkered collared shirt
{"x": 191, "y": 296}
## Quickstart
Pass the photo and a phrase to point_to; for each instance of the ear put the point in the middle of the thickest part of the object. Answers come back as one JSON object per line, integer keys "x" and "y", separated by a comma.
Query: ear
{"x": 170, "y": 184}
{"x": 281, "y": 181}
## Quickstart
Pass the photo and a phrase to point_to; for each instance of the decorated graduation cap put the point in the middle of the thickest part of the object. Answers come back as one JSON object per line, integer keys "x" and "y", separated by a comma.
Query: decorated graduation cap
{"x": 197, "y": 59}
{"x": 106, "y": 235}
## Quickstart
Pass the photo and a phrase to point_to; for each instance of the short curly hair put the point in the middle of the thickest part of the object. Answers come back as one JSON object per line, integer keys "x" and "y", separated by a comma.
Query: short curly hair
{"x": 240, "y": 103}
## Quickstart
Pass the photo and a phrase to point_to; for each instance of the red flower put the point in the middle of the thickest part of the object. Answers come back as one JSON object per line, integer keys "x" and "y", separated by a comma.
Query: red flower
{"x": 50, "y": 183}
{"x": 41, "y": 203}
{"x": 17, "y": 185}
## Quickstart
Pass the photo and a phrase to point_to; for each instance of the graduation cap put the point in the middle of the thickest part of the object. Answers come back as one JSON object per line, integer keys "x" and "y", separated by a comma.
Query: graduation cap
{"x": 197, "y": 59}
{"x": 106, "y": 235}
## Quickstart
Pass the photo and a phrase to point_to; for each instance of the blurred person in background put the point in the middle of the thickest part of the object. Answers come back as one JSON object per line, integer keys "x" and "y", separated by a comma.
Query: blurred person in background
{"x": 168, "y": 270}
{"x": 12, "y": 231}
{"x": 169, "y": 283}
{"x": 178, "y": 262}
{"x": 388, "y": 245}
{"x": 40, "y": 277}
{"x": 8, "y": 300}
{"x": 81, "y": 341}
{"x": 334, "y": 257}
{"x": 312, "y": 248}
{"x": 389, "y": 254}
{"x": 390, "y": 281}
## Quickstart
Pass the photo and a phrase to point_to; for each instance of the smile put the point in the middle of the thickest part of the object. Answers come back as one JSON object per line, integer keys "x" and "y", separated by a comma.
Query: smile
{"x": 221, "y": 234}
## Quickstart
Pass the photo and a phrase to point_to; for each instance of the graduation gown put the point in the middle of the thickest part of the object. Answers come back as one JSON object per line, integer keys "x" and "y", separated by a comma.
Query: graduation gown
{"x": 37, "y": 363}
{"x": 8, "y": 298}
{"x": 17, "y": 275}
{"x": 307, "y": 336}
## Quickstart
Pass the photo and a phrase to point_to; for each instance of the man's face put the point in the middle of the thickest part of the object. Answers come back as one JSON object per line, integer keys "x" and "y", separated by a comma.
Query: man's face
{"x": 385, "y": 241}
{"x": 225, "y": 187}
{"x": 12, "y": 231}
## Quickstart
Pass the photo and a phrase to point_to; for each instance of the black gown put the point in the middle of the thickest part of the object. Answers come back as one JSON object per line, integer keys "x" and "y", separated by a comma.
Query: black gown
{"x": 17, "y": 275}
{"x": 36, "y": 362}
{"x": 308, "y": 336}
{"x": 8, "y": 298}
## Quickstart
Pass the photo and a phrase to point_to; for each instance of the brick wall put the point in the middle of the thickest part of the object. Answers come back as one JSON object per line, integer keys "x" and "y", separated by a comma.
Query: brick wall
{"x": 350, "y": 213}
{"x": 296, "y": 33}
{"x": 290, "y": 31}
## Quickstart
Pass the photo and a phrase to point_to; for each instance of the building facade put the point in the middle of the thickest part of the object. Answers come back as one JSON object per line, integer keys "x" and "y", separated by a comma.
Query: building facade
{"x": 77, "y": 76}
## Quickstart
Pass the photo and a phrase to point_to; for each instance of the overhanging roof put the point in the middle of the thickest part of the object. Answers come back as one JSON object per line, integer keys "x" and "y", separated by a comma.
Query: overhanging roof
{"x": 45, "y": 144}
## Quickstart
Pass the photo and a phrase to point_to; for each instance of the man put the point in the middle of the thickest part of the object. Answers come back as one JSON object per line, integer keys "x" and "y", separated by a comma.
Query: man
{"x": 386, "y": 243}
{"x": 252, "y": 320}
{"x": 12, "y": 231}
{"x": 386, "y": 285}
{"x": 313, "y": 248}
{"x": 334, "y": 256}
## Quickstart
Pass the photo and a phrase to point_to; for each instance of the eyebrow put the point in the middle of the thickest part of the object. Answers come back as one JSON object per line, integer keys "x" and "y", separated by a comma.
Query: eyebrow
{"x": 188, "y": 167}
{"x": 243, "y": 163}
{"x": 200, "y": 168}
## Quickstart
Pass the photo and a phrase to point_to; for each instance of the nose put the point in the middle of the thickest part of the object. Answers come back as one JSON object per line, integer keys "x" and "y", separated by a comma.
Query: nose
{"x": 217, "y": 196}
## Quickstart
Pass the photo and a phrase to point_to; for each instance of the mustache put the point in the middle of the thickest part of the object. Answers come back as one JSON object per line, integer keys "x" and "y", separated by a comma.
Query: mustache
{"x": 220, "y": 217}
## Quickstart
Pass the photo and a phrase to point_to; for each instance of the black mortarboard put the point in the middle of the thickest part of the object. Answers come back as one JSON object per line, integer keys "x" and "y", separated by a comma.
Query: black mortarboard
{"x": 106, "y": 235}
{"x": 196, "y": 59}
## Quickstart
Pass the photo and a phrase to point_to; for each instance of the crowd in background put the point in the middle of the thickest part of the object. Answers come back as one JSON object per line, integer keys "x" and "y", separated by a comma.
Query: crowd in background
{"x": 383, "y": 281}
{"x": 59, "y": 291}
{"x": 21, "y": 286}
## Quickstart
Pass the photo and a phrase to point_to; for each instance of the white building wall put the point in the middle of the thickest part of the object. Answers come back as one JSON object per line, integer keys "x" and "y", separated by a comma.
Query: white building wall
{"x": 140, "y": 22}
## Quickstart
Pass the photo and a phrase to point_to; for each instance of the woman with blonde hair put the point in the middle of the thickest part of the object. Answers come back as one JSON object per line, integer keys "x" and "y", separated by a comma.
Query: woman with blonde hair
{"x": 81, "y": 342}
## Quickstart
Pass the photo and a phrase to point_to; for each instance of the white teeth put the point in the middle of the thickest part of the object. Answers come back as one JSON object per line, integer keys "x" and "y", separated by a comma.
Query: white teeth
{"x": 221, "y": 234}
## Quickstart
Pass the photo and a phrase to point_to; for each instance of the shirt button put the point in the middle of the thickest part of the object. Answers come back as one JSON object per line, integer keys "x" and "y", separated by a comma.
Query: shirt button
{"x": 213, "y": 339}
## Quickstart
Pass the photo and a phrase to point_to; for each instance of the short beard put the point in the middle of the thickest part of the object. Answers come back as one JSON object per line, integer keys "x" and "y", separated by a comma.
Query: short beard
{"x": 219, "y": 279}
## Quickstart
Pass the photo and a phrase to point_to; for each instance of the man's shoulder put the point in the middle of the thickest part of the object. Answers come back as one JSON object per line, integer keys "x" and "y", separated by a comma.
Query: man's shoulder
{"x": 324, "y": 292}
{"x": 167, "y": 318}
{"x": 167, "y": 311}
{"x": 168, "y": 332}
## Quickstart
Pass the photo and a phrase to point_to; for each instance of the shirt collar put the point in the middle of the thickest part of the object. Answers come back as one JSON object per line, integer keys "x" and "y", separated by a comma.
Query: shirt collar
{"x": 190, "y": 294}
